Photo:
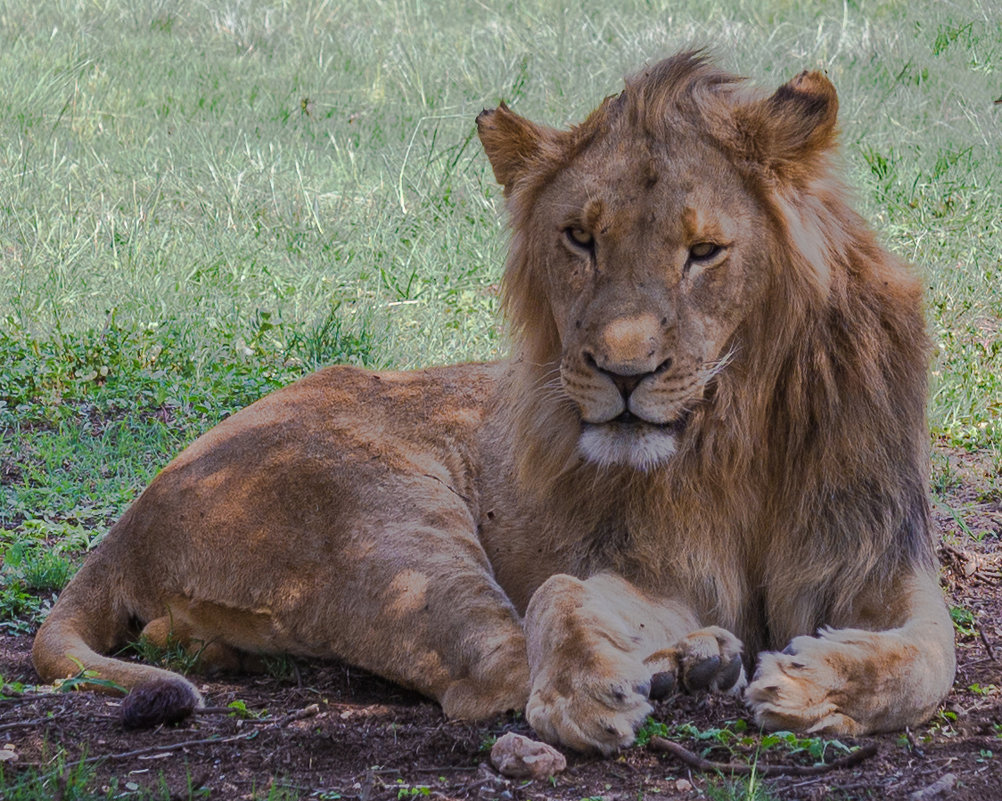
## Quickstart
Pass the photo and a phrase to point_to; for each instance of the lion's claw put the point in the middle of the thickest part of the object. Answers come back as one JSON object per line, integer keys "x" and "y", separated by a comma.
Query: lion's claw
{"x": 662, "y": 685}
{"x": 593, "y": 718}
{"x": 701, "y": 675}
{"x": 731, "y": 674}
{"x": 708, "y": 659}
{"x": 797, "y": 689}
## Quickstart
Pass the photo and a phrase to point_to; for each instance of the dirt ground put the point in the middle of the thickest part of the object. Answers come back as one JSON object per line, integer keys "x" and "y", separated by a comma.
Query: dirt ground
{"x": 328, "y": 731}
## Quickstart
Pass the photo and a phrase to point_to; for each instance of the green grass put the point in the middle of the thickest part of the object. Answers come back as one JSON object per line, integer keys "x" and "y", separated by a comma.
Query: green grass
{"x": 737, "y": 741}
{"x": 77, "y": 782}
{"x": 198, "y": 205}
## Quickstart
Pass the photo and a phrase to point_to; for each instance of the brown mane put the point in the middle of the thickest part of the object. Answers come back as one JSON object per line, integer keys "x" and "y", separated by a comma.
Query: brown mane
{"x": 815, "y": 376}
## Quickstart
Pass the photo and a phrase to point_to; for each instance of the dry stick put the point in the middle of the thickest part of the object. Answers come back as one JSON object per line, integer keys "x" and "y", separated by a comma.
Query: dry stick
{"x": 163, "y": 749}
{"x": 24, "y": 698}
{"x": 988, "y": 648}
{"x": 300, "y": 714}
{"x": 23, "y": 724}
{"x": 695, "y": 761}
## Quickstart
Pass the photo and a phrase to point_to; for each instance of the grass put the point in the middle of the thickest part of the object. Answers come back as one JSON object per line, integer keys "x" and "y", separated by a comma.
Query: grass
{"x": 76, "y": 782}
{"x": 737, "y": 741}
{"x": 202, "y": 202}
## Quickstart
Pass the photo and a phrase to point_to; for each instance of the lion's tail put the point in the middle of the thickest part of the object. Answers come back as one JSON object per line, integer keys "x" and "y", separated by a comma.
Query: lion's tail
{"x": 91, "y": 619}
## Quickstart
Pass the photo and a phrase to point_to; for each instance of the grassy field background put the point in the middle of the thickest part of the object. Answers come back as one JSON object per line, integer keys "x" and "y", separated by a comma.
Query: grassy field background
{"x": 202, "y": 201}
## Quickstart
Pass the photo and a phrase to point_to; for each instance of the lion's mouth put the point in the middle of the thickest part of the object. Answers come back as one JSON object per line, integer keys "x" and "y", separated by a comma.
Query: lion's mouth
{"x": 628, "y": 420}
{"x": 631, "y": 440}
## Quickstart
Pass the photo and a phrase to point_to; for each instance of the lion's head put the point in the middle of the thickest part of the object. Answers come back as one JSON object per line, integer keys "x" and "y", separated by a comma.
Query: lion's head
{"x": 669, "y": 257}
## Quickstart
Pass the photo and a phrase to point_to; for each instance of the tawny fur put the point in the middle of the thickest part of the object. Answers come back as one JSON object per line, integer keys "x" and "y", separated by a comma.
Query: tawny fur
{"x": 711, "y": 432}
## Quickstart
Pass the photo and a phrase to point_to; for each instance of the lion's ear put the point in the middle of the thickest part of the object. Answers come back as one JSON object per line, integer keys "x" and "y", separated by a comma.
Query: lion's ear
{"x": 513, "y": 143}
{"x": 788, "y": 130}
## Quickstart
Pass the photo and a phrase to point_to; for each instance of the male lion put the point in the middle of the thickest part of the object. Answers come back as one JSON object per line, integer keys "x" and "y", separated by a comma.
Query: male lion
{"x": 712, "y": 433}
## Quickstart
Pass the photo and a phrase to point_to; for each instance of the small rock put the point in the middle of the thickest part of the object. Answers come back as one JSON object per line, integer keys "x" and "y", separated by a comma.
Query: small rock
{"x": 518, "y": 757}
{"x": 683, "y": 785}
{"x": 938, "y": 789}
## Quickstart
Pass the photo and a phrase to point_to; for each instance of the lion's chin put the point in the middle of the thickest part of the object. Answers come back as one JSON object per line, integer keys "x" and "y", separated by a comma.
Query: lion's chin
{"x": 635, "y": 444}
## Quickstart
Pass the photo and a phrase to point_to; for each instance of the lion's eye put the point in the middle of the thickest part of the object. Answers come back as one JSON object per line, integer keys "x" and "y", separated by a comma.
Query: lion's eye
{"x": 704, "y": 251}
{"x": 579, "y": 237}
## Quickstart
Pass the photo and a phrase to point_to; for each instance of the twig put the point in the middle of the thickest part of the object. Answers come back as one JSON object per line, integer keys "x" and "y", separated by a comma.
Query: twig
{"x": 23, "y": 724}
{"x": 448, "y": 768}
{"x": 23, "y": 698}
{"x": 162, "y": 749}
{"x": 913, "y": 746}
{"x": 988, "y": 647}
{"x": 698, "y": 763}
{"x": 306, "y": 712}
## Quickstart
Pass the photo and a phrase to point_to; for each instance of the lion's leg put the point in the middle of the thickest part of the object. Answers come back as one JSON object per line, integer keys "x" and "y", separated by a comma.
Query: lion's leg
{"x": 404, "y": 591}
{"x": 595, "y": 648}
{"x": 428, "y": 614}
{"x": 207, "y": 648}
{"x": 858, "y": 680}
{"x": 412, "y": 597}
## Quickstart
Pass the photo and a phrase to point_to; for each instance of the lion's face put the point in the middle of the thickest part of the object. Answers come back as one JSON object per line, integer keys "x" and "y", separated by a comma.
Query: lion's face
{"x": 645, "y": 237}
{"x": 649, "y": 267}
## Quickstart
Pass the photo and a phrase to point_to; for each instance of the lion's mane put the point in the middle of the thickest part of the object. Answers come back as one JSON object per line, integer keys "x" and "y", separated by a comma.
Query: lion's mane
{"x": 821, "y": 406}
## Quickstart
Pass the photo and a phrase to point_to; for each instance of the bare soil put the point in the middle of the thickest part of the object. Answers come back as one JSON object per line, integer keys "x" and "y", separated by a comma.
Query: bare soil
{"x": 330, "y": 731}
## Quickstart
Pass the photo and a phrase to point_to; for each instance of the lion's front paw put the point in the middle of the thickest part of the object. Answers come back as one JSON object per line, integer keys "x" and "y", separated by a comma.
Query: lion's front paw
{"x": 800, "y": 689}
{"x": 597, "y": 711}
{"x": 708, "y": 659}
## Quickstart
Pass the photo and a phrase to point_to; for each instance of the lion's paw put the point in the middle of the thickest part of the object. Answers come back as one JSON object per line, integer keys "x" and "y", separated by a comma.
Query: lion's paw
{"x": 707, "y": 659}
{"x": 799, "y": 690}
{"x": 591, "y": 711}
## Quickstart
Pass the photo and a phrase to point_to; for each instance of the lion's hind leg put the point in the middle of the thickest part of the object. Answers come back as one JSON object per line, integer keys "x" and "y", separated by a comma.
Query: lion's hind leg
{"x": 412, "y": 597}
{"x": 177, "y": 639}
{"x": 90, "y": 620}
{"x": 856, "y": 681}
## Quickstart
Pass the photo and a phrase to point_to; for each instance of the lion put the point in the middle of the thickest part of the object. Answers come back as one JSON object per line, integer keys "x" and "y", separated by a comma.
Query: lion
{"x": 706, "y": 458}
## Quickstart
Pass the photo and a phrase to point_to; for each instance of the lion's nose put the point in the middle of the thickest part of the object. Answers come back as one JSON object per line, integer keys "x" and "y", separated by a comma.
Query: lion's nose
{"x": 624, "y": 378}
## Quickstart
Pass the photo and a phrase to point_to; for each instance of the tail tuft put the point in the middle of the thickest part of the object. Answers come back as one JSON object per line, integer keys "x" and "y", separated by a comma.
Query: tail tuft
{"x": 159, "y": 702}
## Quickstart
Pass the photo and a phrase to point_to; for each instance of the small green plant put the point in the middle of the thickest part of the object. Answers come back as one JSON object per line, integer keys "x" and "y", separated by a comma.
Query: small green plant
{"x": 76, "y": 781}
{"x": 739, "y": 740}
{"x": 817, "y": 748}
{"x": 29, "y": 577}
{"x": 962, "y": 524}
{"x": 276, "y": 792}
{"x": 943, "y": 723}
{"x": 11, "y": 689}
{"x": 412, "y": 790}
{"x": 88, "y": 680}
{"x": 279, "y": 666}
{"x": 648, "y": 730}
{"x": 240, "y": 710}
{"x": 748, "y": 789}
{"x": 174, "y": 655}
{"x": 59, "y": 781}
{"x": 963, "y": 620}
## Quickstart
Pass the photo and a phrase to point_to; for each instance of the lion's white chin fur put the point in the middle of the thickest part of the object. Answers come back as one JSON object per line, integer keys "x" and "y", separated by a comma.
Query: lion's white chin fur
{"x": 640, "y": 446}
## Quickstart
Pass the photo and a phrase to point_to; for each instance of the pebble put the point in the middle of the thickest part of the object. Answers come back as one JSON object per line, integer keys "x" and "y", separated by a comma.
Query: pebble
{"x": 519, "y": 757}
